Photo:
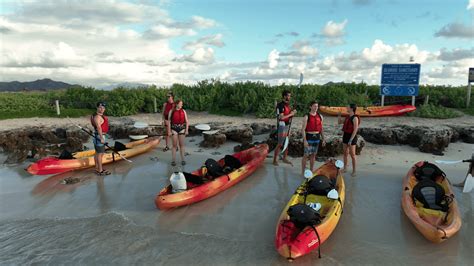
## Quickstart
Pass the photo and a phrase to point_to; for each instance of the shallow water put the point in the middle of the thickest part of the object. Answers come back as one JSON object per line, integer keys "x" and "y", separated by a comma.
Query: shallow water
{"x": 113, "y": 219}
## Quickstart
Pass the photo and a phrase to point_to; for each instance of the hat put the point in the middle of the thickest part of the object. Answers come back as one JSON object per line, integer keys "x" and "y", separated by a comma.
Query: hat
{"x": 99, "y": 104}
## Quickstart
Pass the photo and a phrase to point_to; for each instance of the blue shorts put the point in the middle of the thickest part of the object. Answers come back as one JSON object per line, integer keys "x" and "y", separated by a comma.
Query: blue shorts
{"x": 312, "y": 148}
{"x": 98, "y": 146}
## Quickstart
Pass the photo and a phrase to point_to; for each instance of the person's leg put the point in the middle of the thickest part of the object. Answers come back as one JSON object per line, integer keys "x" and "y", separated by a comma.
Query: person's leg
{"x": 99, "y": 162}
{"x": 303, "y": 164}
{"x": 345, "y": 149}
{"x": 181, "y": 148}
{"x": 312, "y": 158}
{"x": 354, "y": 161}
{"x": 275, "y": 154}
{"x": 96, "y": 161}
{"x": 174, "y": 137}
{"x": 167, "y": 138}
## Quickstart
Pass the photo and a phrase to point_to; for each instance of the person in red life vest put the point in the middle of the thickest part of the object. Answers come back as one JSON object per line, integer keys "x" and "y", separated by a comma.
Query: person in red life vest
{"x": 178, "y": 127}
{"x": 284, "y": 115}
{"x": 167, "y": 107}
{"x": 100, "y": 123}
{"x": 349, "y": 138}
{"x": 312, "y": 132}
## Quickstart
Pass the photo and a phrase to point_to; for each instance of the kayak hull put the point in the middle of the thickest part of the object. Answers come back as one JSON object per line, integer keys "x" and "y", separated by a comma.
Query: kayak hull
{"x": 85, "y": 159}
{"x": 251, "y": 159}
{"x": 292, "y": 242}
{"x": 431, "y": 223}
{"x": 370, "y": 111}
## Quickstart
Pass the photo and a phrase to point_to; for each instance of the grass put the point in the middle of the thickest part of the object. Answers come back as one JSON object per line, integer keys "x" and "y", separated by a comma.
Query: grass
{"x": 45, "y": 113}
{"x": 468, "y": 111}
{"x": 432, "y": 111}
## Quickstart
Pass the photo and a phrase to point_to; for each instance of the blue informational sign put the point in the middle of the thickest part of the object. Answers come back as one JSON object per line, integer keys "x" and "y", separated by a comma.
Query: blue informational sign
{"x": 400, "y": 79}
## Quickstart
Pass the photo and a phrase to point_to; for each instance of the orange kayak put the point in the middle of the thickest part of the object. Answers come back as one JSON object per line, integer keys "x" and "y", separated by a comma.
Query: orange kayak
{"x": 251, "y": 159}
{"x": 391, "y": 110}
{"x": 434, "y": 225}
{"x": 85, "y": 159}
{"x": 292, "y": 242}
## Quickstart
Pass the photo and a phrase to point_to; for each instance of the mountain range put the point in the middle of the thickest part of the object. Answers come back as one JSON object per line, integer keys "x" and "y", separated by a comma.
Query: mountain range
{"x": 37, "y": 85}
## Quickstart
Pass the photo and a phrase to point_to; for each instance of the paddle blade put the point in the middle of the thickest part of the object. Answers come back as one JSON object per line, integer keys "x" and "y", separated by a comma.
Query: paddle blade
{"x": 285, "y": 145}
{"x": 469, "y": 184}
{"x": 140, "y": 125}
{"x": 137, "y": 137}
{"x": 339, "y": 164}
{"x": 308, "y": 174}
{"x": 333, "y": 194}
{"x": 203, "y": 127}
{"x": 448, "y": 162}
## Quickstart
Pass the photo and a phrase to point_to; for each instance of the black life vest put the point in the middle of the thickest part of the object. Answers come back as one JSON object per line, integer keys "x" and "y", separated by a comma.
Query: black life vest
{"x": 428, "y": 171}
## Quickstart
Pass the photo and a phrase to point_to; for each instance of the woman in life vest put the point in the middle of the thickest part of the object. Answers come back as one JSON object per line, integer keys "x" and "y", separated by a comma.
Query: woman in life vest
{"x": 167, "y": 107}
{"x": 349, "y": 138}
{"x": 100, "y": 123}
{"x": 178, "y": 127}
{"x": 312, "y": 131}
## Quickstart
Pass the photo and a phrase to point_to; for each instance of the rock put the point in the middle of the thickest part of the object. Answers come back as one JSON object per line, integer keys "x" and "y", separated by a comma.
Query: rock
{"x": 243, "y": 133}
{"x": 261, "y": 128}
{"x": 213, "y": 139}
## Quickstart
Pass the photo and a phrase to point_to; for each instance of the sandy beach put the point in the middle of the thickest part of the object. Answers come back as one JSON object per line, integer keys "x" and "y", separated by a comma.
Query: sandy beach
{"x": 113, "y": 220}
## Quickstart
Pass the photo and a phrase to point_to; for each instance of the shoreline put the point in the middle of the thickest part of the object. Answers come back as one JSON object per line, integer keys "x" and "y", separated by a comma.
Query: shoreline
{"x": 205, "y": 117}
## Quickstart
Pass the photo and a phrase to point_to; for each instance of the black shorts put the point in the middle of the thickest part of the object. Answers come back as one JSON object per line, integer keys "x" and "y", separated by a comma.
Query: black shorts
{"x": 178, "y": 127}
{"x": 347, "y": 136}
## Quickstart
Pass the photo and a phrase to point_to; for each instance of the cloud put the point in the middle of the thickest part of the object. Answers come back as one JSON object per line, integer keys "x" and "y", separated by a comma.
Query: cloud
{"x": 470, "y": 5}
{"x": 166, "y": 32}
{"x": 213, "y": 40}
{"x": 201, "y": 55}
{"x": 334, "y": 29}
{"x": 300, "y": 49}
{"x": 273, "y": 57}
{"x": 456, "y": 54}
{"x": 291, "y": 33}
{"x": 456, "y": 30}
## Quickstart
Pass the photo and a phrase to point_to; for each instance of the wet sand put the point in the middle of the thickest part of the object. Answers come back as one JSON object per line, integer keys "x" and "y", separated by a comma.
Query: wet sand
{"x": 113, "y": 219}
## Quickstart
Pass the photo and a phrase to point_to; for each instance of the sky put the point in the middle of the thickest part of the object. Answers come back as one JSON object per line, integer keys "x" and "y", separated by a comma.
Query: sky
{"x": 105, "y": 42}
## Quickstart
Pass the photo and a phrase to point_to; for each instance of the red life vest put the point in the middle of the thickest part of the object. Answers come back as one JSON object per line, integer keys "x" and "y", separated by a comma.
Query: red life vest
{"x": 168, "y": 107}
{"x": 104, "y": 126}
{"x": 348, "y": 126}
{"x": 177, "y": 117}
{"x": 314, "y": 123}
{"x": 286, "y": 111}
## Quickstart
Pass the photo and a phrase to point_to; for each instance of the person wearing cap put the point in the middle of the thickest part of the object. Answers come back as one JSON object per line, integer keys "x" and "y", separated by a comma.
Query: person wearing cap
{"x": 100, "y": 123}
{"x": 167, "y": 107}
{"x": 349, "y": 138}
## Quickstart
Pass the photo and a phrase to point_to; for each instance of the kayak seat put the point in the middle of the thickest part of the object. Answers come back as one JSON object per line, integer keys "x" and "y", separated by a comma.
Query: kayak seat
{"x": 214, "y": 170}
{"x": 119, "y": 146}
{"x": 431, "y": 195}
{"x": 231, "y": 163}
{"x": 65, "y": 155}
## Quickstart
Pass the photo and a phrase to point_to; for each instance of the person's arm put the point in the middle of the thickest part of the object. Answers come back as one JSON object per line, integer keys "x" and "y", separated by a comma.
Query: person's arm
{"x": 340, "y": 120}
{"x": 356, "y": 128}
{"x": 98, "y": 125}
{"x": 169, "y": 123}
{"x": 187, "y": 123}
{"x": 163, "y": 112}
{"x": 303, "y": 130}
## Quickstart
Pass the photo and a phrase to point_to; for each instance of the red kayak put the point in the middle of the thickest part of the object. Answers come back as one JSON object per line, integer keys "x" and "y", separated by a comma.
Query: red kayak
{"x": 370, "y": 111}
{"x": 250, "y": 160}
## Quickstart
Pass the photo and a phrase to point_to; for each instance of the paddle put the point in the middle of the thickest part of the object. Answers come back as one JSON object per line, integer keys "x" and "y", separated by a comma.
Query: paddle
{"x": 469, "y": 181}
{"x": 106, "y": 145}
{"x": 453, "y": 162}
{"x": 139, "y": 124}
{"x": 287, "y": 141}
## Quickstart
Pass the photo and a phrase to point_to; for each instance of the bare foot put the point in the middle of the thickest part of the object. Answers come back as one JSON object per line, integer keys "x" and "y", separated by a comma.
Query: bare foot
{"x": 353, "y": 174}
{"x": 275, "y": 163}
{"x": 343, "y": 170}
{"x": 288, "y": 162}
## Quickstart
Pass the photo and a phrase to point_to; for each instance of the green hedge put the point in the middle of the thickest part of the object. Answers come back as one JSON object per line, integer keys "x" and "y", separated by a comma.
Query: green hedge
{"x": 221, "y": 97}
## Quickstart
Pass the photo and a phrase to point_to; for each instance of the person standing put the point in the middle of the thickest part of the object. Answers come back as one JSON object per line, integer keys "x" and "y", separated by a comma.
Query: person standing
{"x": 284, "y": 114}
{"x": 349, "y": 138}
{"x": 178, "y": 127}
{"x": 312, "y": 132}
{"x": 100, "y": 123}
{"x": 167, "y": 107}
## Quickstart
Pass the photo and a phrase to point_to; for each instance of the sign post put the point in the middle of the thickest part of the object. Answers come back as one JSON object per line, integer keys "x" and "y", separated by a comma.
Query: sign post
{"x": 400, "y": 80}
{"x": 470, "y": 79}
